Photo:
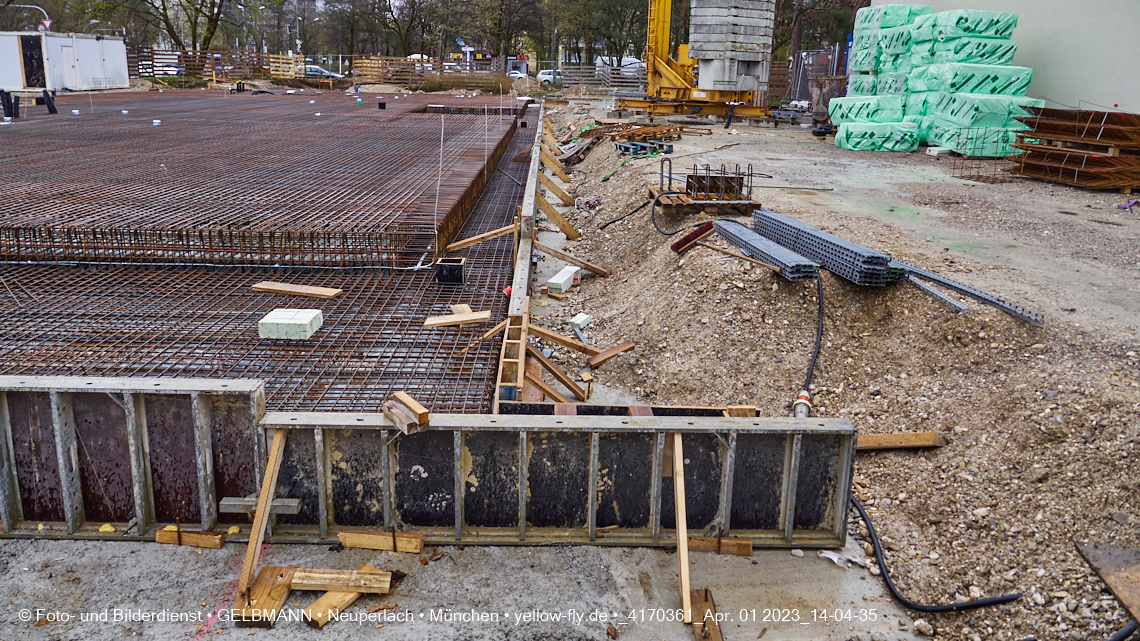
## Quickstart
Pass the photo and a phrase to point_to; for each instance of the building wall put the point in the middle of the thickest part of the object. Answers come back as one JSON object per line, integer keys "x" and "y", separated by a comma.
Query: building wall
{"x": 1081, "y": 52}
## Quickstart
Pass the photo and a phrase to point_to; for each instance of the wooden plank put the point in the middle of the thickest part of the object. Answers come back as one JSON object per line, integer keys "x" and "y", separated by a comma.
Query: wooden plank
{"x": 597, "y": 360}
{"x": 551, "y": 143}
{"x": 268, "y": 593}
{"x": 212, "y": 540}
{"x": 556, "y": 218}
{"x": 705, "y": 624}
{"x": 565, "y": 409}
{"x": 495, "y": 330}
{"x": 740, "y": 411}
{"x": 457, "y": 319}
{"x": 410, "y": 542}
{"x": 556, "y": 372}
{"x": 556, "y": 295}
{"x": 545, "y": 181}
{"x": 546, "y": 388}
{"x": 371, "y": 582}
{"x": 1119, "y": 567}
{"x": 296, "y": 290}
{"x": 204, "y": 460}
{"x": 460, "y": 309}
{"x": 531, "y": 393}
{"x": 565, "y": 341}
{"x": 682, "y": 525}
{"x": 899, "y": 441}
{"x": 553, "y": 165}
{"x": 419, "y": 411}
{"x": 257, "y": 534}
{"x": 736, "y": 546}
{"x": 573, "y": 260}
{"x": 332, "y": 603}
{"x": 736, "y": 255}
{"x": 67, "y": 454}
{"x": 474, "y": 240}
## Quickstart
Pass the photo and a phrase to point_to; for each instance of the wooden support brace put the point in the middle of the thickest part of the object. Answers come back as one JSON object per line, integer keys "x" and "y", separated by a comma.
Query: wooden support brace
{"x": 573, "y": 260}
{"x": 546, "y": 388}
{"x": 419, "y": 411}
{"x": 266, "y": 596}
{"x": 531, "y": 393}
{"x": 545, "y": 181}
{"x": 551, "y": 143}
{"x": 257, "y": 534}
{"x": 556, "y": 372}
{"x": 597, "y": 360}
{"x": 553, "y": 165}
{"x": 899, "y": 441}
{"x": 332, "y": 603}
{"x": 565, "y": 341}
{"x": 556, "y": 218}
{"x": 370, "y": 581}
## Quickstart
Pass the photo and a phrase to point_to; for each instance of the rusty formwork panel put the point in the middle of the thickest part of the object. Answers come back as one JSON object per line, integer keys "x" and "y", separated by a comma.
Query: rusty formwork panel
{"x": 168, "y": 321}
{"x": 245, "y": 181}
{"x": 471, "y": 478}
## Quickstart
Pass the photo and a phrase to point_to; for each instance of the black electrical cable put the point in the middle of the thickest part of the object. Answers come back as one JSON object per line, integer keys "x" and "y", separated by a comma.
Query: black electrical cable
{"x": 653, "y": 215}
{"x": 1123, "y": 633}
{"x": 953, "y": 607}
{"x": 624, "y": 216}
{"x": 818, "y": 332}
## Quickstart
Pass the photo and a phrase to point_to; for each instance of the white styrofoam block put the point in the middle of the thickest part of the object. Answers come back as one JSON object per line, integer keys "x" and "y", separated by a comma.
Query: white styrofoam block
{"x": 581, "y": 320}
{"x": 297, "y": 324}
{"x": 939, "y": 151}
{"x": 563, "y": 280}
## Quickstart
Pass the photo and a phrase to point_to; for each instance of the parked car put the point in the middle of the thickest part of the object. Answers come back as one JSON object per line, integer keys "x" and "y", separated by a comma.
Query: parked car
{"x": 313, "y": 71}
{"x": 515, "y": 74}
{"x": 548, "y": 77}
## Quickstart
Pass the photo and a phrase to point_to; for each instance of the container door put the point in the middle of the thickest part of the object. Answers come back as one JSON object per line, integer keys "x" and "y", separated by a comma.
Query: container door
{"x": 32, "y": 55}
{"x": 70, "y": 74}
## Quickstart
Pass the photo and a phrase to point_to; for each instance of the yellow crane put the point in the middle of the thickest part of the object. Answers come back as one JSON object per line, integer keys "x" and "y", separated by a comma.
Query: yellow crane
{"x": 671, "y": 83}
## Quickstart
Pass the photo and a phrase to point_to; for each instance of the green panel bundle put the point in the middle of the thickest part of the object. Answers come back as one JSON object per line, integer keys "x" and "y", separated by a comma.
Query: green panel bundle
{"x": 952, "y": 71}
{"x": 876, "y": 136}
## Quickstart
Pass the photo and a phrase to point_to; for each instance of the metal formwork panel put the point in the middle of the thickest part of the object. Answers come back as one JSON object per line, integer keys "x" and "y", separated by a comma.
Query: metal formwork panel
{"x": 792, "y": 266}
{"x": 858, "y": 264}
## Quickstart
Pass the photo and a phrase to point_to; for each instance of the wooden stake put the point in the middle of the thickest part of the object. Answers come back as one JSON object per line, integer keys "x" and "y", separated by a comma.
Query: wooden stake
{"x": 257, "y": 534}
{"x": 553, "y": 165}
{"x": 546, "y": 388}
{"x": 556, "y": 218}
{"x": 565, "y": 341}
{"x": 682, "y": 526}
{"x": 573, "y": 260}
{"x": 556, "y": 372}
{"x": 474, "y": 240}
{"x": 555, "y": 189}
{"x": 597, "y": 360}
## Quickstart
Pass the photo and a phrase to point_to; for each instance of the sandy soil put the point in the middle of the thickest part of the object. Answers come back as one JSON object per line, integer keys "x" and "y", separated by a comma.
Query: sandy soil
{"x": 1043, "y": 422}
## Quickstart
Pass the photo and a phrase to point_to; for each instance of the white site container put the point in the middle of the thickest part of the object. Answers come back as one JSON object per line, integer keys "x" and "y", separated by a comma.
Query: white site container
{"x": 296, "y": 324}
{"x": 563, "y": 280}
{"x": 34, "y": 60}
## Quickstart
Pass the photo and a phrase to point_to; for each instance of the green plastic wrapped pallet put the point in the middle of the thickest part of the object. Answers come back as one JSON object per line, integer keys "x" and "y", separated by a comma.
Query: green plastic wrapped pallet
{"x": 863, "y": 61}
{"x": 900, "y": 63}
{"x": 990, "y": 142}
{"x": 865, "y": 40}
{"x": 969, "y": 78}
{"x": 963, "y": 23}
{"x": 862, "y": 136}
{"x": 861, "y": 84}
{"x": 895, "y": 40}
{"x": 890, "y": 84}
{"x": 981, "y": 110}
{"x": 986, "y": 51}
{"x": 882, "y": 109}
{"x": 923, "y": 28}
{"x": 869, "y": 18}
{"x": 918, "y": 103}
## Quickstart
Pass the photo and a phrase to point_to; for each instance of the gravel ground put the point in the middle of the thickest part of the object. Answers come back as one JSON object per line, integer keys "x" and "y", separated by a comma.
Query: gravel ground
{"x": 1043, "y": 422}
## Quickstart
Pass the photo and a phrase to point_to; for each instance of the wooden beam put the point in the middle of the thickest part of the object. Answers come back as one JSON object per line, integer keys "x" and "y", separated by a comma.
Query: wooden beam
{"x": 565, "y": 341}
{"x": 370, "y": 581}
{"x": 553, "y": 165}
{"x": 204, "y": 460}
{"x": 67, "y": 455}
{"x": 474, "y": 240}
{"x": 899, "y": 441}
{"x": 546, "y": 388}
{"x": 682, "y": 525}
{"x": 332, "y": 603}
{"x": 268, "y": 593}
{"x": 419, "y": 411}
{"x": 410, "y": 542}
{"x": 556, "y": 218}
{"x": 597, "y": 360}
{"x": 545, "y": 181}
{"x": 551, "y": 143}
{"x": 740, "y": 411}
{"x": 257, "y": 534}
{"x": 556, "y": 372}
{"x": 736, "y": 255}
{"x": 495, "y": 330}
{"x": 457, "y": 319}
{"x": 736, "y": 546}
{"x": 565, "y": 409}
{"x": 212, "y": 540}
{"x": 531, "y": 393}
{"x": 573, "y": 260}
{"x": 296, "y": 290}
{"x": 705, "y": 624}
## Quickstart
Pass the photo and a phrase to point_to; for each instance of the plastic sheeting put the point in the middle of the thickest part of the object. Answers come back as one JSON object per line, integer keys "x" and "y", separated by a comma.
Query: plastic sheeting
{"x": 861, "y": 84}
{"x": 992, "y": 142}
{"x": 963, "y": 23}
{"x": 980, "y": 110}
{"x": 986, "y": 51}
{"x": 890, "y": 84}
{"x": 895, "y": 40}
{"x": 866, "y": 109}
{"x": 970, "y": 78}
{"x": 861, "y": 136}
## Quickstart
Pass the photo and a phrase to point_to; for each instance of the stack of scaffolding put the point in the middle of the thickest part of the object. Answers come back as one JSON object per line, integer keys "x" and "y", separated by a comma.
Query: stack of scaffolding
{"x": 940, "y": 78}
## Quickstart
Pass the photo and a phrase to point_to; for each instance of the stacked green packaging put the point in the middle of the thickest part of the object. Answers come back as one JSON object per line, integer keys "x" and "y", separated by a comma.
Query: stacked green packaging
{"x": 876, "y": 136}
{"x": 953, "y": 71}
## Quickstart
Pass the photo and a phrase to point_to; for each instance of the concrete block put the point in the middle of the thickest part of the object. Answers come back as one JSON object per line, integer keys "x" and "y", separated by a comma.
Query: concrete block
{"x": 581, "y": 320}
{"x": 563, "y": 280}
{"x": 294, "y": 324}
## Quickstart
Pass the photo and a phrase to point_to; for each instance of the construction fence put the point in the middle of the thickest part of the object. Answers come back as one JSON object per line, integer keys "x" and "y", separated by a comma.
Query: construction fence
{"x": 145, "y": 62}
{"x": 412, "y": 71}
